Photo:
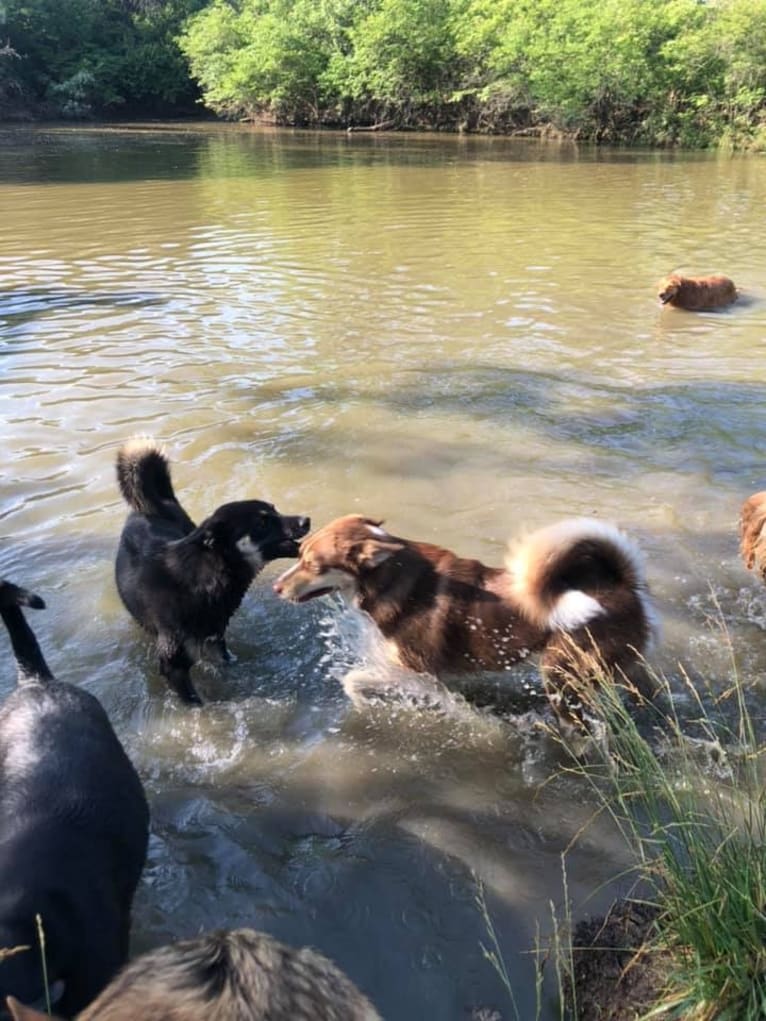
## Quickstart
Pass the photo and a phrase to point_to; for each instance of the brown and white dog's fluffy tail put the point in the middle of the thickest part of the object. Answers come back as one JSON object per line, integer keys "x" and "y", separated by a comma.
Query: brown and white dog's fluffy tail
{"x": 752, "y": 540}
{"x": 570, "y": 574}
{"x": 143, "y": 475}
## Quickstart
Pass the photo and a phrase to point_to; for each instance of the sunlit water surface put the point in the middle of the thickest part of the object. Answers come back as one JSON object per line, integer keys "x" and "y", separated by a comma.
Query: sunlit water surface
{"x": 460, "y": 336}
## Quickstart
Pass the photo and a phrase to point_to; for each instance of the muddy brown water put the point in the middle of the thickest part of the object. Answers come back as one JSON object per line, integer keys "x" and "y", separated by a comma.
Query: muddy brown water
{"x": 457, "y": 335}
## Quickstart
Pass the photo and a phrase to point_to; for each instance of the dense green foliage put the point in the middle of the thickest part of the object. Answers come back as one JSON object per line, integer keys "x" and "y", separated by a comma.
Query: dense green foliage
{"x": 81, "y": 57}
{"x": 650, "y": 71}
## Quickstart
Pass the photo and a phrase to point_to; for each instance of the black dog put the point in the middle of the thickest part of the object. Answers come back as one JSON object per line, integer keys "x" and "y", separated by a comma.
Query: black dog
{"x": 74, "y": 827}
{"x": 183, "y": 582}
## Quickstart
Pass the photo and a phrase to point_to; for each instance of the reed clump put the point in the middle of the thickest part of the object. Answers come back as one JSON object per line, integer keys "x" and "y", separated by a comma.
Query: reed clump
{"x": 692, "y": 810}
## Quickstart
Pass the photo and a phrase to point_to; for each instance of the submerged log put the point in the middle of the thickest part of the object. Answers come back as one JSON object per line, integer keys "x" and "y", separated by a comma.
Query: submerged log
{"x": 380, "y": 126}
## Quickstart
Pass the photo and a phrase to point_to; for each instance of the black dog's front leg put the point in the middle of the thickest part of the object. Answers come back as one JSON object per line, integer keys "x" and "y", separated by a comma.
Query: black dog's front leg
{"x": 220, "y": 650}
{"x": 175, "y": 664}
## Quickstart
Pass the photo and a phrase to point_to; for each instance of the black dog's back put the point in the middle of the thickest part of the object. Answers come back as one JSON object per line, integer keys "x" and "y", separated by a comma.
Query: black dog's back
{"x": 156, "y": 519}
{"x": 73, "y": 829}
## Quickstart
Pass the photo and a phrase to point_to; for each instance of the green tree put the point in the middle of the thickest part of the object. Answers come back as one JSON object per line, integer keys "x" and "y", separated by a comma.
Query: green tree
{"x": 404, "y": 55}
{"x": 270, "y": 56}
{"x": 92, "y": 56}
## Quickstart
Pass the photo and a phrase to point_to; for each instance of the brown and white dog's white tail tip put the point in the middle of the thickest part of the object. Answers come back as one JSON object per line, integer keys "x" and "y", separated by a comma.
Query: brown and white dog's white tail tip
{"x": 545, "y": 567}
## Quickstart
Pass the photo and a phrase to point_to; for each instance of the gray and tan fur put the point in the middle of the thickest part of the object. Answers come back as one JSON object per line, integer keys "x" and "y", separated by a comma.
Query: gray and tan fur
{"x": 240, "y": 975}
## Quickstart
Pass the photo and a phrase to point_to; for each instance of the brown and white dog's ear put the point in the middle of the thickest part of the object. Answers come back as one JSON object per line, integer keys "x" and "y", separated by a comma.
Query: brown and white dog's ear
{"x": 751, "y": 526}
{"x": 373, "y": 552}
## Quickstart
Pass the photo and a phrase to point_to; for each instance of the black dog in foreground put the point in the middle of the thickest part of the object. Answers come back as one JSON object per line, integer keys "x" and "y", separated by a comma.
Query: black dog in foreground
{"x": 74, "y": 827}
{"x": 183, "y": 582}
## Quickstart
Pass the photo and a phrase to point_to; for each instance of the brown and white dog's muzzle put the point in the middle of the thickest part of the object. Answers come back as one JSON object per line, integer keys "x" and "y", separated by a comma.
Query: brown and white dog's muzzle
{"x": 298, "y": 585}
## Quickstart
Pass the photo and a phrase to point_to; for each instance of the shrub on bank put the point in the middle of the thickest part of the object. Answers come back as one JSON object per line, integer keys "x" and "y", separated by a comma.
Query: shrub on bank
{"x": 647, "y": 71}
{"x": 78, "y": 58}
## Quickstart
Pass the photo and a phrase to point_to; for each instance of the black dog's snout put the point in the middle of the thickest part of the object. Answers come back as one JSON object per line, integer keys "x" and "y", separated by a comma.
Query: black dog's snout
{"x": 299, "y": 526}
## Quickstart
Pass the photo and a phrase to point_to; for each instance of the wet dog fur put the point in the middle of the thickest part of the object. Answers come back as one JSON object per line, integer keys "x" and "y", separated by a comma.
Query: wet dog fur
{"x": 696, "y": 293}
{"x": 575, "y": 593}
{"x": 182, "y": 582}
{"x": 239, "y": 975}
{"x": 74, "y": 827}
{"x": 752, "y": 534}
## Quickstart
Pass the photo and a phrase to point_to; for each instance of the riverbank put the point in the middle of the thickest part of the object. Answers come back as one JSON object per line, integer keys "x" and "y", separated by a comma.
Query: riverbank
{"x": 660, "y": 73}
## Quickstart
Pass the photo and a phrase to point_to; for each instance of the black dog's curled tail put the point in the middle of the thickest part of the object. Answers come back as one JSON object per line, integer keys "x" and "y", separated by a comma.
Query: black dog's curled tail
{"x": 143, "y": 475}
{"x": 29, "y": 659}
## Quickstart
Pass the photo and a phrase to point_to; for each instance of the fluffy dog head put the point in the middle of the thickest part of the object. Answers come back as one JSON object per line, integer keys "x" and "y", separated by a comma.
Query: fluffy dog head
{"x": 669, "y": 287}
{"x": 335, "y": 557}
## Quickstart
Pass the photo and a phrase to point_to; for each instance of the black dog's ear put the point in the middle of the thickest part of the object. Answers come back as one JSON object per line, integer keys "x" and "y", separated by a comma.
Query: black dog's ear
{"x": 206, "y": 534}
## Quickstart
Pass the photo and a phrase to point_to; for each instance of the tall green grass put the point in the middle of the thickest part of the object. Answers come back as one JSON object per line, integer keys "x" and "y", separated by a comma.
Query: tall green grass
{"x": 692, "y": 809}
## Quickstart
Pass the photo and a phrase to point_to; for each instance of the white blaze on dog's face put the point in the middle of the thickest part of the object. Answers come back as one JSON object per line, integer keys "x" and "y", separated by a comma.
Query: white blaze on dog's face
{"x": 333, "y": 558}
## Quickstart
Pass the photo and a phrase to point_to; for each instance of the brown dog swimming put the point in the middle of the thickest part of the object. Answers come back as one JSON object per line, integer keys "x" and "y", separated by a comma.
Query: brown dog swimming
{"x": 574, "y": 588}
{"x": 752, "y": 535}
{"x": 240, "y": 975}
{"x": 696, "y": 293}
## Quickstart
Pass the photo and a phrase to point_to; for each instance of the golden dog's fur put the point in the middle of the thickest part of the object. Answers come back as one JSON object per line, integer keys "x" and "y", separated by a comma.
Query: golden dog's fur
{"x": 568, "y": 592}
{"x": 751, "y": 533}
{"x": 696, "y": 293}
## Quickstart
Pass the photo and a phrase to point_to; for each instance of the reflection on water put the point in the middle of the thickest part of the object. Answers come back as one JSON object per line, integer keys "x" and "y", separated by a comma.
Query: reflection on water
{"x": 458, "y": 335}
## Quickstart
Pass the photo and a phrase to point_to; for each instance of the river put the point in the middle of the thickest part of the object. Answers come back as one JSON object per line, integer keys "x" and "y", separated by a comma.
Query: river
{"x": 458, "y": 335}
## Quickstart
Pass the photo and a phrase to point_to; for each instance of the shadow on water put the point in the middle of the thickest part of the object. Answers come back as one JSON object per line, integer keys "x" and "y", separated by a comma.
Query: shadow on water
{"x": 659, "y": 428}
{"x": 366, "y": 892}
{"x": 21, "y": 306}
{"x": 375, "y": 860}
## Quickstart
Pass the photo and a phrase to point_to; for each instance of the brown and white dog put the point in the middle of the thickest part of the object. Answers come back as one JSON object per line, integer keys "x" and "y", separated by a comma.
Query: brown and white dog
{"x": 752, "y": 534}
{"x": 696, "y": 293}
{"x": 575, "y": 589}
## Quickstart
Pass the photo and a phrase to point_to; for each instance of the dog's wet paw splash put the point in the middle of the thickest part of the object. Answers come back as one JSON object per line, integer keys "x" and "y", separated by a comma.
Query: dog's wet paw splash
{"x": 751, "y": 603}
{"x": 343, "y": 636}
